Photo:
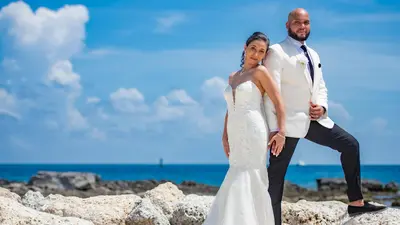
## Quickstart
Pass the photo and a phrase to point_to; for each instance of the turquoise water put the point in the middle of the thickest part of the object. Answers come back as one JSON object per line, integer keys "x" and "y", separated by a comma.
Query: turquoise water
{"x": 209, "y": 174}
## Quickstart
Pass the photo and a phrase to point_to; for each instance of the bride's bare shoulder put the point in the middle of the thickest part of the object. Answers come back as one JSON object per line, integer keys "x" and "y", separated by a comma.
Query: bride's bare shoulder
{"x": 261, "y": 70}
{"x": 231, "y": 75}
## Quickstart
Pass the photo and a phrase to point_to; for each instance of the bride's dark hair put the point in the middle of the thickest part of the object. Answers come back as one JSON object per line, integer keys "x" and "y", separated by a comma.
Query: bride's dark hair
{"x": 256, "y": 36}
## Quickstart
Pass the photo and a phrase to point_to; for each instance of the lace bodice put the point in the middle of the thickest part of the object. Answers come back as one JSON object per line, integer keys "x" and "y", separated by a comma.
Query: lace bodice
{"x": 247, "y": 133}
{"x": 245, "y": 97}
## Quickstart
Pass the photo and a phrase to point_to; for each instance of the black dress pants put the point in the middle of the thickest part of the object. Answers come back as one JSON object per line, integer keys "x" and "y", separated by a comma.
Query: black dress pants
{"x": 335, "y": 138}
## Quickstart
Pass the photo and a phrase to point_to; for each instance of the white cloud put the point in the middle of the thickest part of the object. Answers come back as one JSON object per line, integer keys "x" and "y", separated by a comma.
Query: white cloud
{"x": 132, "y": 112}
{"x": 175, "y": 105}
{"x": 102, "y": 114}
{"x": 220, "y": 61}
{"x": 8, "y": 104}
{"x": 357, "y": 2}
{"x": 75, "y": 119}
{"x": 179, "y": 107}
{"x": 20, "y": 144}
{"x": 10, "y": 64}
{"x": 98, "y": 53}
{"x": 379, "y": 124}
{"x": 335, "y": 18}
{"x": 61, "y": 72}
{"x": 52, "y": 125}
{"x": 43, "y": 42}
{"x": 350, "y": 63}
{"x": 367, "y": 18}
{"x": 131, "y": 94}
{"x": 166, "y": 23}
{"x": 164, "y": 111}
{"x": 337, "y": 109}
{"x": 57, "y": 34}
{"x": 213, "y": 88}
{"x": 128, "y": 100}
{"x": 97, "y": 134}
{"x": 180, "y": 96}
{"x": 93, "y": 100}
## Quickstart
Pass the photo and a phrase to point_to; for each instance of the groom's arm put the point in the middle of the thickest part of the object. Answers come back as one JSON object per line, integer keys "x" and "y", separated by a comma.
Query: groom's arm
{"x": 322, "y": 98}
{"x": 273, "y": 63}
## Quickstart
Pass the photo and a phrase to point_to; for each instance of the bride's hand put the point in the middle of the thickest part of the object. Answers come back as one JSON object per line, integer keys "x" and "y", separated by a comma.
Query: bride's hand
{"x": 277, "y": 142}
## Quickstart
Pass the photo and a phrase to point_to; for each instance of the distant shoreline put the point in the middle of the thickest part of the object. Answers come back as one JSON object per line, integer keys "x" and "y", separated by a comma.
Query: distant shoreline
{"x": 86, "y": 184}
{"x": 176, "y": 164}
{"x": 211, "y": 174}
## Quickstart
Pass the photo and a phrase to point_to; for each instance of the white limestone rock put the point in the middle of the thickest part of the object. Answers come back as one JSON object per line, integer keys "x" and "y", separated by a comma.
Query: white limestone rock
{"x": 192, "y": 210}
{"x": 310, "y": 213}
{"x": 389, "y": 216}
{"x": 165, "y": 196}
{"x": 8, "y": 194}
{"x": 145, "y": 213}
{"x": 101, "y": 210}
{"x": 12, "y": 213}
{"x": 33, "y": 199}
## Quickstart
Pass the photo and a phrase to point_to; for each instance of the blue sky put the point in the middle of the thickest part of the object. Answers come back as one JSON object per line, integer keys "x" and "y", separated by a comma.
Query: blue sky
{"x": 133, "y": 81}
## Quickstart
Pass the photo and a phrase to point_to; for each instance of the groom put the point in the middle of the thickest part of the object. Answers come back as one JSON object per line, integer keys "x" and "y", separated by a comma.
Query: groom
{"x": 297, "y": 70}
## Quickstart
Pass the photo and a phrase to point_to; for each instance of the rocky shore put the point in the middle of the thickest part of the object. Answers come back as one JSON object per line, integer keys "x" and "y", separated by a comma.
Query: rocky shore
{"x": 88, "y": 185}
{"x": 84, "y": 198}
{"x": 165, "y": 204}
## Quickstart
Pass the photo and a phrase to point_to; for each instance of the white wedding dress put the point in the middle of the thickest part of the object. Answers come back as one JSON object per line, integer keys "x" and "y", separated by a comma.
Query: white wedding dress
{"x": 243, "y": 197}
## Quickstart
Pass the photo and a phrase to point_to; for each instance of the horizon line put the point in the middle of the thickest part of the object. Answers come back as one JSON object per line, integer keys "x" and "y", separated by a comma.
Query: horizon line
{"x": 166, "y": 164}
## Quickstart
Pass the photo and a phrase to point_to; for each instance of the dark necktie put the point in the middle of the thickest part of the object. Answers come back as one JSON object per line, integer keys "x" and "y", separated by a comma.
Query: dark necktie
{"x": 309, "y": 62}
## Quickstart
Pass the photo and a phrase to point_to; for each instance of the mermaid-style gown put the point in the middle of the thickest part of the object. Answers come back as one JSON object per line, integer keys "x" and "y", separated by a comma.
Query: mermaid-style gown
{"x": 243, "y": 197}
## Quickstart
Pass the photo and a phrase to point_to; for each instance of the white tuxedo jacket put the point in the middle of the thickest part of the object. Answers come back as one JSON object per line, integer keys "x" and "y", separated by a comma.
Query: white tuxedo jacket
{"x": 288, "y": 67}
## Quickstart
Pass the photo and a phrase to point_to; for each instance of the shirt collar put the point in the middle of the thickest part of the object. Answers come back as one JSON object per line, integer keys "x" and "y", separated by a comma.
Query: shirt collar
{"x": 296, "y": 43}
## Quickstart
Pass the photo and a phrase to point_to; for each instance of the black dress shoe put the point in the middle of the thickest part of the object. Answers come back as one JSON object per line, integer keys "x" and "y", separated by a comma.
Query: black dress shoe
{"x": 366, "y": 208}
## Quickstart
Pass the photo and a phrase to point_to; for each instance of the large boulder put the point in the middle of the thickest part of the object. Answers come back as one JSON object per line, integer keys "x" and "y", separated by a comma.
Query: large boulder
{"x": 391, "y": 187}
{"x": 390, "y": 216}
{"x": 192, "y": 210}
{"x": 64, "y": 180}
{"x": 145, "y": 213}
{"x": 165, "y": 196}
{"x": 12, "y": 212}
{"x": 340, "y": 184}
{"x": 305, "y": 212}
{"x": 8, "y": 194}
{"x": 101, "y": 210}
{"x": 157, "y": 205}
{"x": 334, "y": 213}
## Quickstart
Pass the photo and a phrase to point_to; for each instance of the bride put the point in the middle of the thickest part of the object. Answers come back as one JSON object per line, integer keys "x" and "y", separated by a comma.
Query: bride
{"x": 243, "y": 197}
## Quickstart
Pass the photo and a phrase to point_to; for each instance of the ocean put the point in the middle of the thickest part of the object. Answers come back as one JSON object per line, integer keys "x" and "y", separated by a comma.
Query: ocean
{"x": 304, "y": 176}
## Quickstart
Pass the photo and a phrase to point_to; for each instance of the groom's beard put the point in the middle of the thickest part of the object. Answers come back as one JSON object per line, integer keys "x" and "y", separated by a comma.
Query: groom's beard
{"x": 295, "y": 37}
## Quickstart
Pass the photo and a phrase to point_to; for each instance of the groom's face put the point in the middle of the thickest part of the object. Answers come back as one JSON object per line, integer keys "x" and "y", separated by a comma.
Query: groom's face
{"x": 298, "y": 26}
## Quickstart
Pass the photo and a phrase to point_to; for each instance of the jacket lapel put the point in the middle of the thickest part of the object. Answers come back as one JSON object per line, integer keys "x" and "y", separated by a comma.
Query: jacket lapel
{"x": 302, "y": 60}
{"x": 315, "y": 63}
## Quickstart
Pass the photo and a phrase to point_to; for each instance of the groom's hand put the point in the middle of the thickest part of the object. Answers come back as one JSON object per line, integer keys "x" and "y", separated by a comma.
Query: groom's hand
{"x": 316, "y": 111}
{"x": 271, "y": 146}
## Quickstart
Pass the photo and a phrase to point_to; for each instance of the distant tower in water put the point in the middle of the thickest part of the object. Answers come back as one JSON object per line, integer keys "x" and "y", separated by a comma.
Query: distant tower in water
{"x": 161, "y": 162}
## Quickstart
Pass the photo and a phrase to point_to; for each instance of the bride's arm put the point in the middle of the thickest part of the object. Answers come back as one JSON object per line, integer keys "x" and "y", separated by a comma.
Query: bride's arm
{"x": 273, "y": 93}
{"x": 225, "y": 142}
{"x": 272, "y": 62}
{"x": 278, "y": 140}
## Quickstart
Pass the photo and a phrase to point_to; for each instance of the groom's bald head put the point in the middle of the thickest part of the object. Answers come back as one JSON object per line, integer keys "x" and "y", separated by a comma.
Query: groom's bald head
{"x": 298, "y": 24}
{"x": 296, "y": 13}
